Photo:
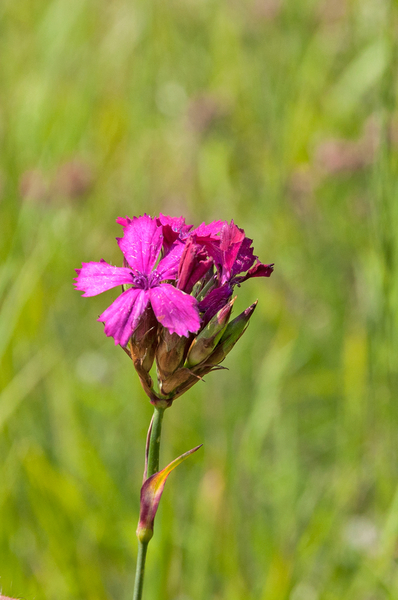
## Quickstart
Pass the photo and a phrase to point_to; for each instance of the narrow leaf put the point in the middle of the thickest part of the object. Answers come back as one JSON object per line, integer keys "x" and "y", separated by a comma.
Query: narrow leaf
{"x": 151, "y": 493}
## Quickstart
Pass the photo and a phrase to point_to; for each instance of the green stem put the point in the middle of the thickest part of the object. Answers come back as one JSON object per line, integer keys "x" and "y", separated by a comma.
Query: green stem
{"x": 140, "y": 570}
{"x": 154, "y": 441}
{"x": 152, "y": 468}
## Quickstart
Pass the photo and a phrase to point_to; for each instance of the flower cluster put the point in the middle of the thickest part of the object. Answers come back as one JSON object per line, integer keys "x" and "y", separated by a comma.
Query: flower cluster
{"x": 177, "y": 297}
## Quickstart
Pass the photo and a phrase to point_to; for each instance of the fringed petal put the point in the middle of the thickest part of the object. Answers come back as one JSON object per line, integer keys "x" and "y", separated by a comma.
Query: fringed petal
{"x": 175, "y": 310}
{"x": 141, "y": 243}
{"x": 123, "y": 315}
{"x": 97, "y": 277}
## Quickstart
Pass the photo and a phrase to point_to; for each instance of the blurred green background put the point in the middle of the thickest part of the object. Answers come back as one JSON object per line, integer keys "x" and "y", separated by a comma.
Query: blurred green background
{"x": 282, "y": 116}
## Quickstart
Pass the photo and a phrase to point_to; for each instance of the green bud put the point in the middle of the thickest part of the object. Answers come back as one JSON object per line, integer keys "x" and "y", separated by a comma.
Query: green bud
{"x": 206, "y": 341}
{"x": 234, "y": 330}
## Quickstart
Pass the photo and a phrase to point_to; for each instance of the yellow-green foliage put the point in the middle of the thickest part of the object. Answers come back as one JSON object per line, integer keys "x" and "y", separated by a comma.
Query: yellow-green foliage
{"x": 282, "y": 116}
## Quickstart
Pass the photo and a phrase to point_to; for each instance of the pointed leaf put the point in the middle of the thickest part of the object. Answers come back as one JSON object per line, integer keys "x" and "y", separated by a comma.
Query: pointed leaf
{"x": 151, "y": 493}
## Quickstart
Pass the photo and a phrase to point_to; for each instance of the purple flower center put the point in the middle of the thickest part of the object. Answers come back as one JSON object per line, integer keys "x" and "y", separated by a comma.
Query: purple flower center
{"x": 154, "y": 279}
{"x": 145, "y": 282}
{"x": 141, "y": 281}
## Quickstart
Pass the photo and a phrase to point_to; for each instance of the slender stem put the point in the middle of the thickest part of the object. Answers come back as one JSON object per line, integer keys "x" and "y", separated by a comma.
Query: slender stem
{"x": 140, "y": 570}
{"x": 154, "y": 441}
{"x": 152, "y": 468}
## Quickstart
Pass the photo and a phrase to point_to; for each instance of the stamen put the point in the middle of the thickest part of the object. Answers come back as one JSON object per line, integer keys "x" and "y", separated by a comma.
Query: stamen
{"x": 141, "y": 281}
{"x": 154, "y": 279}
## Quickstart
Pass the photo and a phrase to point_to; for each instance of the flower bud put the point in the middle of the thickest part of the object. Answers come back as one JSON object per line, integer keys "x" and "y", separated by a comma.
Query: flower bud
{"x": 142, "y": 343}
{"x": 234, "y": 330}
{"x": 169, "y": 353}
{"x": 194, "y": 264}
{"x": 169, "y": 385}
{"x": 206, "y": 341}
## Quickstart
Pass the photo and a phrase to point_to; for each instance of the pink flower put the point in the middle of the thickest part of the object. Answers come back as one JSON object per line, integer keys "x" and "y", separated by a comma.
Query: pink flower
{"x": 141, "y": 245}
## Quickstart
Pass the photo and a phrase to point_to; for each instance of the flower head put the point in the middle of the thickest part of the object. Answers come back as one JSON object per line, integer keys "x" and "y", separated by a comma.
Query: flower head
{"x": 176, "y": 302}
{"x": 141, "y": 246}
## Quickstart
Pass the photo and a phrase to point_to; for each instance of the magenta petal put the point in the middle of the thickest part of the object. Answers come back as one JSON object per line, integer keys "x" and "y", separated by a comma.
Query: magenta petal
{"x": 259, "y": 270}
{"x": 245, "y": 257}
{"x": 123, "y": 221}
{"x": 122, "y": 316}
{"x": 231, "y": 236}
{"x": 211, "y": 230}
{"x": 175, "y": 310}
{"x": 176, "y": 223}
{"x": 224, "y": 247}
{"x": 194, "y": 264}
{"x": 97, "y": 277}
{"x": 231, "y": 241}
{"x": 168, "y": 266}
{"x": 214, "y": 301}
{"x": 141, "y": 243}
{"x": 173, "y": 228}
{"x": 202, "y": 267}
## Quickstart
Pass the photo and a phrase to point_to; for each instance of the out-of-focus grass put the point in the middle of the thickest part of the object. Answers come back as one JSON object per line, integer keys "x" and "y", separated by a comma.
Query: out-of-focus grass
{"x": 283, "y": 117}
